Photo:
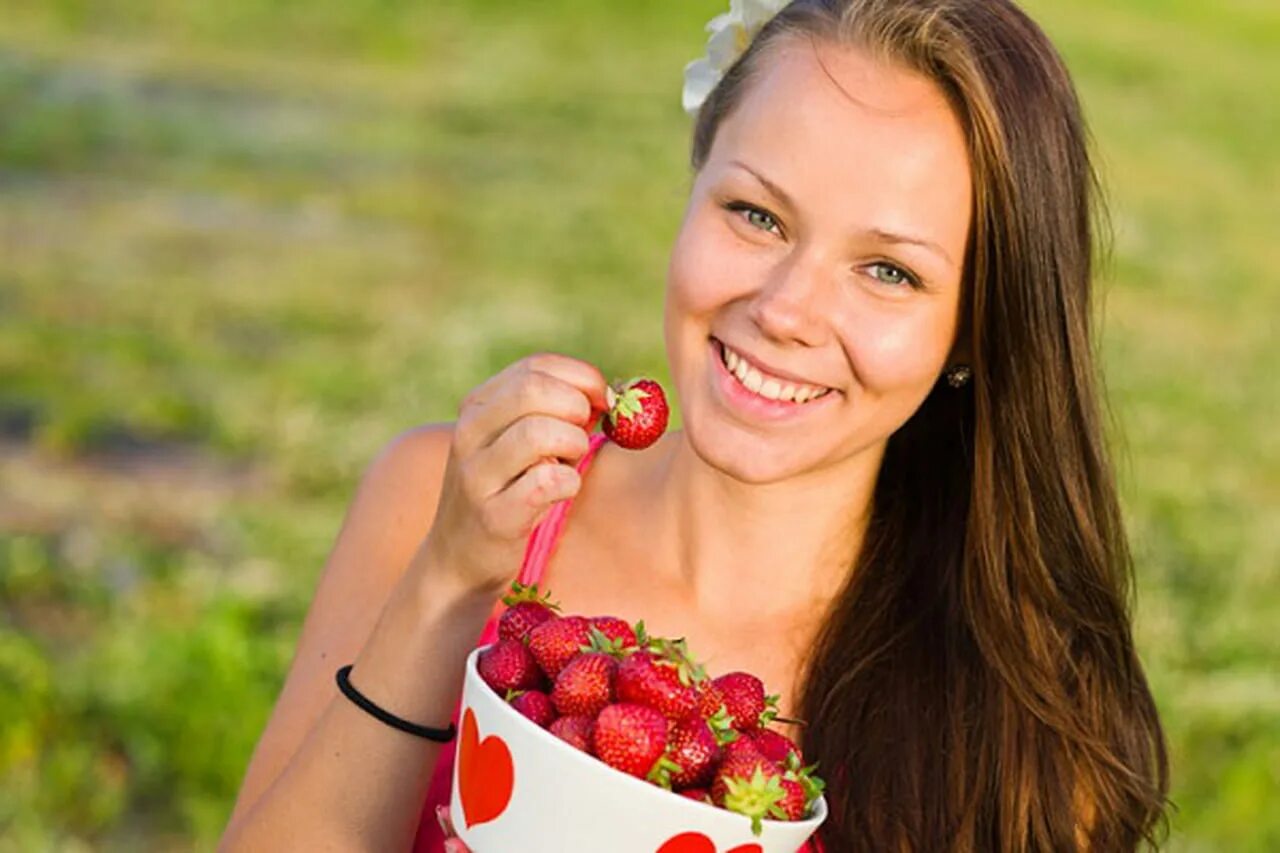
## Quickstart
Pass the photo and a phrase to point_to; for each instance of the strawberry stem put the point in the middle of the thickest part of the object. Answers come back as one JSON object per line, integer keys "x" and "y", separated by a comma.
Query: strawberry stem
{"x": 521, "y": 593}
{"x": 756, "y": 797}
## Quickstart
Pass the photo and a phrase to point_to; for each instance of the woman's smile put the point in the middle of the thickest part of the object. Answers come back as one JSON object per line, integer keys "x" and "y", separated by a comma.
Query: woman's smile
{"x": 752, "y": 392}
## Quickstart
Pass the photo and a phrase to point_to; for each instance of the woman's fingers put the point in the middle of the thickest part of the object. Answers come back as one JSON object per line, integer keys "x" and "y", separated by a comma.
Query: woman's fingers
{"x": 584, "y": 376}
{"x": 515, "y": 511}
{"x": 452, "y": 844}
{"x": 446, "y": 824}
{"x": 528, "y": 441}
{"x": 545, "y": 384}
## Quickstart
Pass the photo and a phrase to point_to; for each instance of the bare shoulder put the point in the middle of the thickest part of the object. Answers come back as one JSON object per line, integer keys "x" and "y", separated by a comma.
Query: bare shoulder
{"x": 389, "y": 516}
{"x": 421, "y": 448}
{"x": 391, "y": 512}
{"x": 403, "y": 481}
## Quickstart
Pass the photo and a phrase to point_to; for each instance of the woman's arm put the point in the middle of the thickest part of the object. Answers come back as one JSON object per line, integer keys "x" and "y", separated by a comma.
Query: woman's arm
{"x": 326, "y": 775}
{"x": 434, "y": 536}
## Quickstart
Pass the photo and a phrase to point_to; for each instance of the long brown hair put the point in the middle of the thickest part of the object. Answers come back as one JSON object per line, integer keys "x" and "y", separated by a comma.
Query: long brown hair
{"x": 974, "y": 686}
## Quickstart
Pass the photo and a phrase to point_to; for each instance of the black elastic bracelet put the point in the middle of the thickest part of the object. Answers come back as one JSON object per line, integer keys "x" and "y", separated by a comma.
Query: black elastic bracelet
{"x": 437, "y": 735}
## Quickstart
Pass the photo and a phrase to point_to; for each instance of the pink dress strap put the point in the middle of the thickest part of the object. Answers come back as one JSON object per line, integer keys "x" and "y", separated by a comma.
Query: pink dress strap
{"x": 537, "y": 553}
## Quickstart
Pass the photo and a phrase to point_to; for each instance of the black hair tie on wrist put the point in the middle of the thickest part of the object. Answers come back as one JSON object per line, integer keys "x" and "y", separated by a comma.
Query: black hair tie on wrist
{"x": 437, "y": 735}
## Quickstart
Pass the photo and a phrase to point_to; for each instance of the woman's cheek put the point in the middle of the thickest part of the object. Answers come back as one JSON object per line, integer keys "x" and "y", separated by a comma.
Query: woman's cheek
{"x": 707, "y": 269}
{"x": 897, "y": 352}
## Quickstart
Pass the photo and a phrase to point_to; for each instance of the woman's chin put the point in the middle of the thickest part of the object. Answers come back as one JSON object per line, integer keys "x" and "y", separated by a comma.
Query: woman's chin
{"x": 740, "y": 453}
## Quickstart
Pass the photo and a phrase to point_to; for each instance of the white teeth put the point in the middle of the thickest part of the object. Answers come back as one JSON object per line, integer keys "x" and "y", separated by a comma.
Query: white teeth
{"x": 770, "y": 388}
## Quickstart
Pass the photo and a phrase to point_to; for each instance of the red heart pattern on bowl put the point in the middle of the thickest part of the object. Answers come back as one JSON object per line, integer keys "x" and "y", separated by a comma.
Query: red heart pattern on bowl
{"x": 696, "y": 842}
{"x": 486, "y": 775}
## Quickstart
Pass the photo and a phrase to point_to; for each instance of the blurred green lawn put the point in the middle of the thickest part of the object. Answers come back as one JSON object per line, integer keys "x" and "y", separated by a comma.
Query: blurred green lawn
{"x": 244, "y": 243}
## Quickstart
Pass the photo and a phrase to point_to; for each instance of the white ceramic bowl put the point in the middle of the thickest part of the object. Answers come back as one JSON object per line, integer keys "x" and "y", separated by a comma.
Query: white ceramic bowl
{"x": 527, "y": 790}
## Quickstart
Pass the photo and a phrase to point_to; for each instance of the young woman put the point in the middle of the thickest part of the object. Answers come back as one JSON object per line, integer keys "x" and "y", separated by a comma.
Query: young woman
{"x": 891, "y": 469}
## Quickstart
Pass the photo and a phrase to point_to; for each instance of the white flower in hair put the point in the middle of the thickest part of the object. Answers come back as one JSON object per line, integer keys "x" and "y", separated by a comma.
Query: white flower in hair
{"x": 731, "y": 33}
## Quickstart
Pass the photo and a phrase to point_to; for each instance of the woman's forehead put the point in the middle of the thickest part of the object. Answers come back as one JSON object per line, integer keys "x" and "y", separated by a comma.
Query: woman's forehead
{"x": 828, "y": 121}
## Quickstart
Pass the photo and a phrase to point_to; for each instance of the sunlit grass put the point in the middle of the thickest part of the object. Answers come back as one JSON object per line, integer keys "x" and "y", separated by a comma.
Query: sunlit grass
{"x": 245, "y": 243}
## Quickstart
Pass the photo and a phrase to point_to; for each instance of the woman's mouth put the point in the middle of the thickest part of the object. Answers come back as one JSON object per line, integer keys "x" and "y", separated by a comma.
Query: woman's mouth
{"x": 764, "y": 385}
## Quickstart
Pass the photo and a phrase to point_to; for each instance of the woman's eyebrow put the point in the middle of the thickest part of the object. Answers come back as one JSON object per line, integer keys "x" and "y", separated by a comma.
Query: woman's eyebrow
{"x": 777, "y": 191}
{"x": 878, "y": 233}
{"x": 890, "y": 237}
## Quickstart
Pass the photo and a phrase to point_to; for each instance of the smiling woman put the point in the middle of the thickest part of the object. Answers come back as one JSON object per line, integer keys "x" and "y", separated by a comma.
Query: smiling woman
{"x": 891, "y": 468}
{"x": 785, "y": 253}
{"x": 975, "y": 682}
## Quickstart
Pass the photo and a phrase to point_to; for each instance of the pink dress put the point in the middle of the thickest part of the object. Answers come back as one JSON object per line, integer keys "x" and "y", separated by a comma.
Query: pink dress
{"x": 537, "y": 554}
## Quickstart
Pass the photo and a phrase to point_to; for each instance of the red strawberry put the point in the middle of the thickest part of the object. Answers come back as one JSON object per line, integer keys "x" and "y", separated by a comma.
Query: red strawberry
{"x": 794, "y": 802}
{"x": 525, "y": 609}
{"x": 615, "y": 629}
{"x": 740, "y": 748}
{"x": 535, "y": 705}
{"x": 748, "y": 784}
{"x": 692, "y": 745}
{"x": 508, "y": 665}
{"x": 662, "y": 679}
{"x": 702, "y": 795}
{"x": 575, "y": 731}
{"x": 637, "y": 413}
{"x": 585, "y": 685}
{"x": 631, "y": 738}
{"x": 710, "y": 699}
{"x": 557, "y": 641}
{"x": 741, "y": 758}
{"x": 744, "y": 699}
{"x": 801, "y": 789}
{"x": 776, "y": 747}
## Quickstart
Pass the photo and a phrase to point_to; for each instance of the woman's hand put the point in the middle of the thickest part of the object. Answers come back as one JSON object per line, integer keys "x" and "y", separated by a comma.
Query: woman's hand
{"x": 452, "y": 843}
{"x": 515, "y": 445}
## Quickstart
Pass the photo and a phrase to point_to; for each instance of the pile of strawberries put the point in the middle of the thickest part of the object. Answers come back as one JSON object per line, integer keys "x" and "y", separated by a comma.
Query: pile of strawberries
{"x": 642, "y": 705}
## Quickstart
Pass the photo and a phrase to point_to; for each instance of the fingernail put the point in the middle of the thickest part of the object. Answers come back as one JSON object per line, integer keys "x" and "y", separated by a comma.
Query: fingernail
{"x": 452, "y": 846}
{"x": 440, "y": 819}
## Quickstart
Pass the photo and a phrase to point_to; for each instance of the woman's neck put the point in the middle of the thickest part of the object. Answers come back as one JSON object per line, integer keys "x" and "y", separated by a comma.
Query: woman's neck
{"x": 744, "y": 552}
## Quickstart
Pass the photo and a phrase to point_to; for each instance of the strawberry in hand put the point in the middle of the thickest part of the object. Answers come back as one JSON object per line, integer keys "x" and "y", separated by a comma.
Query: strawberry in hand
{"x": 637, "y": 414}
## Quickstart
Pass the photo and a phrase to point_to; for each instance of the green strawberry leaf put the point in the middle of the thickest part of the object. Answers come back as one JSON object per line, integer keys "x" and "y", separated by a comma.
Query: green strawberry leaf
{"x": 770, "y": 710}
{"x": 753, "y": 797}
{"x": 721, "y": 723}
{"x": 604, "y": 644}
{"x": 520, "y": 592}
{"x": 660, "y": 773}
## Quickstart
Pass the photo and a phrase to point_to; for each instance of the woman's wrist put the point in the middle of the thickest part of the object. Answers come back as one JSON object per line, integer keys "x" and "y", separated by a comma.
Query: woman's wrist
{"x": 443, "y": 595}
{"x": 412, "y": 663}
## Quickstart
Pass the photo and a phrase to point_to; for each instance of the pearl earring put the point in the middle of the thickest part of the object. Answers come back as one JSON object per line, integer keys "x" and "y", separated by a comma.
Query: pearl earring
{"x": 959, "y": 375}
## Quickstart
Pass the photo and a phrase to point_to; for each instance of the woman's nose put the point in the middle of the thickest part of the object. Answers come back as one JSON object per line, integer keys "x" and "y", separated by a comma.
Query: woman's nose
{"x": 790, "y": 306}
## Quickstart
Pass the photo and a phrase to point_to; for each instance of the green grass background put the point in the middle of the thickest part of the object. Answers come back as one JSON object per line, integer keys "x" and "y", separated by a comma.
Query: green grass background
{"x": 244, "y": 243}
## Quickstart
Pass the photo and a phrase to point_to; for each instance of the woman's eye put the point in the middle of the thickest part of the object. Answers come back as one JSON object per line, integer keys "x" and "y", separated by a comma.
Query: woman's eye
{"x": 761, "y": 219}
{"x": 887, "y": 273}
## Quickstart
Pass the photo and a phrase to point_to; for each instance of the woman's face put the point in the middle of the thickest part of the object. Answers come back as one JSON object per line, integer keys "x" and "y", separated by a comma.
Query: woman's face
{"x": 822, "y": 243}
